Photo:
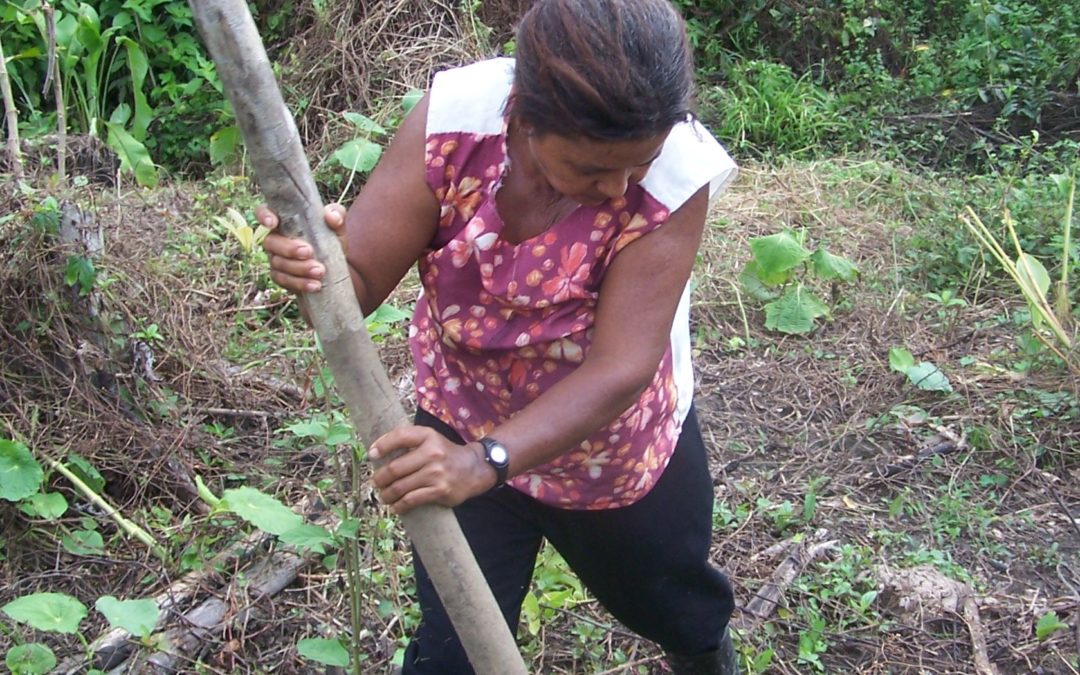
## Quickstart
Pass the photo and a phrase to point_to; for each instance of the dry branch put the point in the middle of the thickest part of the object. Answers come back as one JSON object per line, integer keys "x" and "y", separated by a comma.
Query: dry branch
{"x": 212, "y": 616}
{"x": 113, "y": 647}
{"x": 762, "y": 605}
{"x": 285, "y": 179}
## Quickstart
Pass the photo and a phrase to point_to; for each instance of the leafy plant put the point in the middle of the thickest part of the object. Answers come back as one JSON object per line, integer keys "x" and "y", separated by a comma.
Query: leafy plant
{"x": 777, "y": 275}
{"x": 1049, "y": 624}
{"x": 1032, "y": 279}
{"x": 922, "y": 374}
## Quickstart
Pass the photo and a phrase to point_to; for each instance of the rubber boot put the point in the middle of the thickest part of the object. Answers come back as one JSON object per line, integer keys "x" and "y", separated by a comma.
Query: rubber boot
{"x": 721, "y": 661}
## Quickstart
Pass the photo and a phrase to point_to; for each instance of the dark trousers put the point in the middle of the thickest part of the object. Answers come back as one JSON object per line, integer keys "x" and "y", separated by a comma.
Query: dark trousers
{"x": 646, "y": 563}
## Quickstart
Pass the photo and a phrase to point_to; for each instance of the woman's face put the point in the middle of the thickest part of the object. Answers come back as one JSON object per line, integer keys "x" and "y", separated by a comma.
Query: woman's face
{"x": 589, "y": 171}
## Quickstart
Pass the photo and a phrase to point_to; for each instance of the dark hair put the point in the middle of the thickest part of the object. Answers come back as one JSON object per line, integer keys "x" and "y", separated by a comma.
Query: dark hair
{"x": 602, "y": 69}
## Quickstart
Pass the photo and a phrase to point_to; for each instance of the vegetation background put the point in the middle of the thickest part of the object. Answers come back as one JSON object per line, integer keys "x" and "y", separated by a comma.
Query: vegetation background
{"x": 893, "y": 408}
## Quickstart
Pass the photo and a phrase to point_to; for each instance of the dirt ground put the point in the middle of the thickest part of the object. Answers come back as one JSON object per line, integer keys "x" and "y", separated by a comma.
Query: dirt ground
{"x": 828, "y": 466}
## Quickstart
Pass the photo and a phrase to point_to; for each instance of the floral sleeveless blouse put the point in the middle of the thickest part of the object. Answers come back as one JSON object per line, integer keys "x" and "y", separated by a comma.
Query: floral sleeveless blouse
{"x": 498, "y": 323}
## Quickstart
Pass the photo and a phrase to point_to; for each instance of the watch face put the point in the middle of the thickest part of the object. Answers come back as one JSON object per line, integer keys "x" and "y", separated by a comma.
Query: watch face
{"x": 498, "y": 454}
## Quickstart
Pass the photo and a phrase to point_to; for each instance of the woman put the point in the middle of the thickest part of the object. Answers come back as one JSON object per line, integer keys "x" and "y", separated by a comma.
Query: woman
{"x": 554, "y": 204}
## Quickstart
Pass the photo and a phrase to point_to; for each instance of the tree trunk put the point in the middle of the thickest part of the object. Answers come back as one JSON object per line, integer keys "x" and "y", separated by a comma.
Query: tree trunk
{"x": 12, "y": 117}
{"x": 285, "y": 180}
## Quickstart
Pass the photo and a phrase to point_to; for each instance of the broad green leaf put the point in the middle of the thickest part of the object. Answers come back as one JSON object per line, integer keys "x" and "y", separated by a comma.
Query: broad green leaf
{"x": 223, "y": 144}
{"x": 20, "y": 474}
{"x": 386, "y": 313}
{"x": 324, "y": 651}
{"x": 133, "y": 155}
{"x": 338, "y": 434}
{"x": 753, "y": 285}
{"x": 828, "y": 266}
{"x": 80, "y": 272}
{"x": 307, "y": 536}
{"x": 900, "y": 359}
{"x": 410, "y": 99}
{"x": 32, "y": 658}
{"x": 795, "y": 312}
{"x": 52, "y": 612}
{"x": 530, "y": 611}
{"x": 927, "y": 376}
{"x": 138, "y": 65}
{"x": 81, "y": 467}
{"x": 1033, "y": 277}
{"x": 777, "y": 254}
{"x": 364, "y": 123}
{"x": 83, "y": 542}
{"x": 309, "y": 429}
{"x": 1049, "y": 624}
{"x": 1063, "y": 183}
{"x": 47, "y": 505}
{"x": 120, "y": 115}
{"x": 348, "y": 528}
{"x": 359, "y": 154}
{"x": 261, "y": 510}
{"x": 138, "y": 617}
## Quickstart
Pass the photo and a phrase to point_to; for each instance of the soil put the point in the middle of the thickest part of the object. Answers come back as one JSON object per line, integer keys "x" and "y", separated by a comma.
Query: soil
{"x": 812, "y": 437}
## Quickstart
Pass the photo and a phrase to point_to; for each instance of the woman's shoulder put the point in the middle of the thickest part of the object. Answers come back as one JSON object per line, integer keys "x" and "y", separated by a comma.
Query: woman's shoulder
{"x": 470, "y": 99}
{"x": 691, "y": 158}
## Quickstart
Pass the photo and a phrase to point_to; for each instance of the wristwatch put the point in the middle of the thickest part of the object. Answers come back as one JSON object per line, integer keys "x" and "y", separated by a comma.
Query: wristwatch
{"x": 497, "y": 457}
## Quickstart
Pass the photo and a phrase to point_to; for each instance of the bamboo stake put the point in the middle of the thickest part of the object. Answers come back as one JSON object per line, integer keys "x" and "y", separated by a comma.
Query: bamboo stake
{"x": 58, "y": 94}
{"x": 285, "y": 180}
{"x": 11, "y": 115}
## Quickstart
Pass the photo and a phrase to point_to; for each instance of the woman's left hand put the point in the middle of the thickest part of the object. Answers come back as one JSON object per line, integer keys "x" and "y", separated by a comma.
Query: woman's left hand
{"x": 432, "y": 470}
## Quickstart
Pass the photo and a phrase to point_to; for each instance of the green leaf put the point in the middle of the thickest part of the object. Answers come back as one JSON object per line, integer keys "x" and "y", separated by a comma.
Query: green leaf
{"x": 386, "y": 313}
{"x": 52, "y": 612}
{"x": 309, "y": 429}
{"x": 324, "y": 651}
{"x": 928, "y": 377}
{"x": 83, "y": 542}
{"x": 410, "y": 99}
{"x": 20, "y": 474}
{"x": 261, "y": 510}
{"x": 80, "y": 272}
{"x": 776, "y": 255}
{"x": 359, "y": 154}
{"x": 750, "y": 278}
{"x": 307, "y": 536}
{"x": 224, "y": 143}
{"x": 138, "y": 65}
{"x": 1048, "y": 624}
{"x": 364, "y": 123}
{"x": 829, "y": 267}
{"x": 47, "y": 505}
{"x": 133, "y": 155}
{"x": 1036, "y": 280}
{"x": 795, "y": 312}
{"x": 85, "y": 471}
{"x": 900, "y": 359}
{"x": 138, "y": 617}
{"x": 30, "y": 659}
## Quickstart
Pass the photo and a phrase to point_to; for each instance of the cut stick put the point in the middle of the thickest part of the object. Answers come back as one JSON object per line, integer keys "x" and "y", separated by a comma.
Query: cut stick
{"x": 284, "y": 176}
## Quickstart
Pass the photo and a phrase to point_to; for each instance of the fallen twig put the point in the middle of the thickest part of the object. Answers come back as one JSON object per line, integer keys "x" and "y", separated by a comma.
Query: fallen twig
{"x": 762, "y": 605}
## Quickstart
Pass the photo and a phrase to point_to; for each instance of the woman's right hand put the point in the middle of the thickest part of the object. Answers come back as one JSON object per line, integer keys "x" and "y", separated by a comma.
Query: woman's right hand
{"x": 292, "y": 261}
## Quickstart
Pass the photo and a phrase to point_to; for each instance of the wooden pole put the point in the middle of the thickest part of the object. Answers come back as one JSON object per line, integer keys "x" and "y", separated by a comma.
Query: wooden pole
{"x": 12, "y": 117}
{"x": 285, "y": 179}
